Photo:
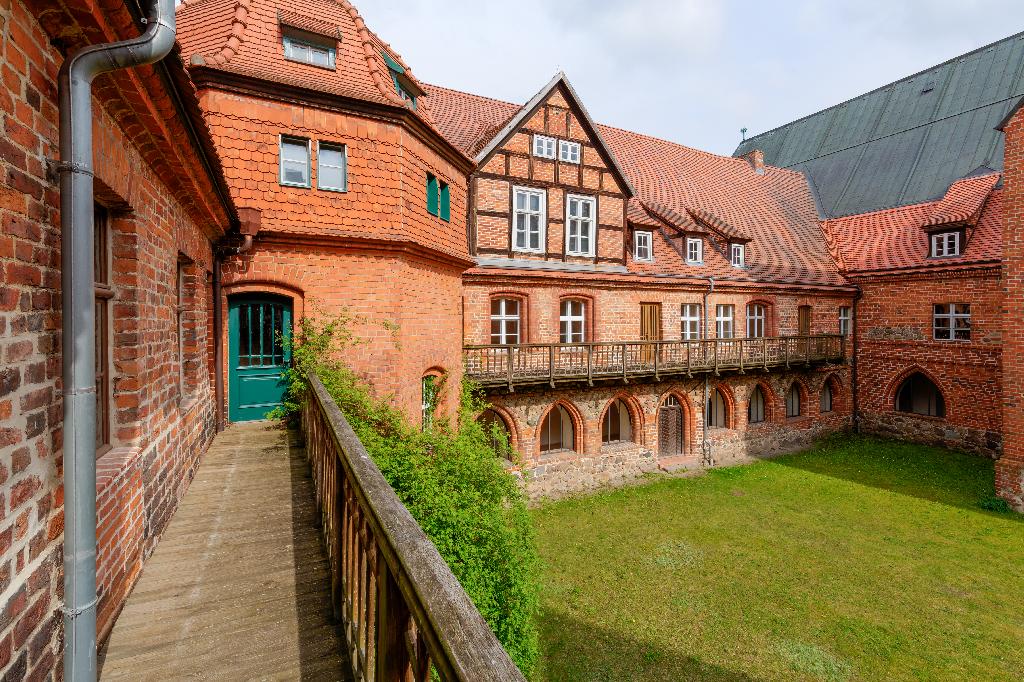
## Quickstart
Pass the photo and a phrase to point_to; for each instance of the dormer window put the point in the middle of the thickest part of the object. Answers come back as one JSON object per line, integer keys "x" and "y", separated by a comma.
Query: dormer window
{"x": 694, "y": 250}
{"x": 404, "y": 85}
{"x": 307, "y": 48}
{"x": 737, "y": 255}
{"x": 945, "y": 244}
{"x": 543, "y": 147}
{"x": 642, "y": 247}
{"x": 569, "y": 152}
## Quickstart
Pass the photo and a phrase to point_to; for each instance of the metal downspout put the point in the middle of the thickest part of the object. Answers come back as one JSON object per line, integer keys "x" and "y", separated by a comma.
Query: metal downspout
{"x": 77, "y": 324}
{"x": 705, "y": 446}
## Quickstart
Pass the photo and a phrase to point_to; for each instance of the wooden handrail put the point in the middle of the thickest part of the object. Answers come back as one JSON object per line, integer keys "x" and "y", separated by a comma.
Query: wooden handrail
{"x": 552, "y": 362}
{"x": 402, "y": 609}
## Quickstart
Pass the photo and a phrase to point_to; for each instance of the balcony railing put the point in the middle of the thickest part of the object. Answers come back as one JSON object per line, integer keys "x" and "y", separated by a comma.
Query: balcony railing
{"x": 551, "y": 363}
{"x": 401, "y": 609}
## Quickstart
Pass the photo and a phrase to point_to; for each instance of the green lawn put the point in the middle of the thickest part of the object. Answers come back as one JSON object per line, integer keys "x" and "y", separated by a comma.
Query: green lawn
{"x": 858, "y": 560}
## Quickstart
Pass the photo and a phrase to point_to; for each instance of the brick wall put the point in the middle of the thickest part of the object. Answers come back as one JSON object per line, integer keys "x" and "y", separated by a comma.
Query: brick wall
{"x": 158, "y": 435}
{"x": 1010, "y": 468}
{"x": 895, "y": 338}
{"x": 591, "y": 463}
{"x": 373, "y": 252}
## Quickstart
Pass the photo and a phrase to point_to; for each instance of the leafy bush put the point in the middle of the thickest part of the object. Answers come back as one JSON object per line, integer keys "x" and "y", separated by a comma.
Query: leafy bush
{"x": 995, "y": 504}
{"x": 450, "y": 479}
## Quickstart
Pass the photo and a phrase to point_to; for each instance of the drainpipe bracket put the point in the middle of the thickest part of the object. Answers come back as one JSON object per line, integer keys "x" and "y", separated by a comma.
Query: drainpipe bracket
{"x": 72, "y": 167}
{"x": 75, "y": 613}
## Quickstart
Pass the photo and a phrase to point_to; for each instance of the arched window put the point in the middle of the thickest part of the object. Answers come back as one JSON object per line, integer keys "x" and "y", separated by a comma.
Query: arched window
{"x": 755, "y": 409}
{"x": 572, "y": 321}
{"x": 826, "y": 398}
{"x": 716, "y": 415}
{"x": 430, "y": 386}
{"x": 505, "y": 321}
{"x": 497, "y": 433}
{"x": 919, "y": 395}
{"x": 793, "y": 401}
{"x": 615, "y": 427}
{"x": 557, "y": 431}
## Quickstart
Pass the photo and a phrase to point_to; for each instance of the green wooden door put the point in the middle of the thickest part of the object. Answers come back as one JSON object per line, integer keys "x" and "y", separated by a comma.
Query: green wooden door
{"x": 257, "y": 354}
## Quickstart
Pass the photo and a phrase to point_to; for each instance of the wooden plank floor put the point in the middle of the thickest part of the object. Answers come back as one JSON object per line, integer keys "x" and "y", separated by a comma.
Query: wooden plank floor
{"x": 238, "y": 588}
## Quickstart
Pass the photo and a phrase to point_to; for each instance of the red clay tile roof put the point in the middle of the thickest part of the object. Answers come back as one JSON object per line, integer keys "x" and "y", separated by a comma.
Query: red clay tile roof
{"x": 963, "y": 202}
{"x": 892, "y": 239}
{"x": 776, "y": 210}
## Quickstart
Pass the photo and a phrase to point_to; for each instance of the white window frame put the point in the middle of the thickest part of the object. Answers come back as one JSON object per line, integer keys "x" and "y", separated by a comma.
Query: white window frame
{"x": 757, "y": 314}
{"x": 694, "y": 250}
{"x": 945, "y": 244}
{"x": 567, "y": 316}
{"x": 689, "y": 322}
{"x": 639, "y": 239}
{"x": 951, "y": 315}
{"x": 503, "y": 317}
{"x": 737, "y": 255}
{"x": 335, "y": 146}
{"x": 542, "y": 222}
{"x": 590, "y": 223}
{"x": 282, "y": 139}
{"x": 544, "y": 147}
{"x": 844, "y": 320}
{"x": 568, "y": 152}
{"x": 725, "y": 315}
{"x": 295, "y": 47}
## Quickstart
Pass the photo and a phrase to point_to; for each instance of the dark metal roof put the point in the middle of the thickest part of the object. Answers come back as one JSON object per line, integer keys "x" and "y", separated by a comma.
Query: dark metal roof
{"x": 905, "y": 142}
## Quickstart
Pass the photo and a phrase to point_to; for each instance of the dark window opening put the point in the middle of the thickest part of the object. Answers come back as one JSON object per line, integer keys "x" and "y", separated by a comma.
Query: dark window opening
{"x": 919, "y": 395}
{"x": 755, "y": 409}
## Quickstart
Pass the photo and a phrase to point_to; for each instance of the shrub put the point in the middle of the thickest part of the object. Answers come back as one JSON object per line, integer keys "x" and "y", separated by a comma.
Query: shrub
{"x": 450, "y": 479}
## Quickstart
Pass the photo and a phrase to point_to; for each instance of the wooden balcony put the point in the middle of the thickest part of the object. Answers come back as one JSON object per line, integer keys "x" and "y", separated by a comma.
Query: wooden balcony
{"x": 539, "y": 364}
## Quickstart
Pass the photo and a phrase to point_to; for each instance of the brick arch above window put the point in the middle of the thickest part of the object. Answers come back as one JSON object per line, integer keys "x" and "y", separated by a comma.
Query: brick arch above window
{"x": 770, "y": 323}
{"x": 524, "y": 314}
{"x": 635, "y": 412}
{"x": 576, "y": 418}
{"x": 590, "y": 315}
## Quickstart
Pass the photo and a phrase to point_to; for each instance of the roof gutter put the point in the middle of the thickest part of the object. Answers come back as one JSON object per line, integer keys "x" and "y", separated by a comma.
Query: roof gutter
{"x": 77, "y": 323}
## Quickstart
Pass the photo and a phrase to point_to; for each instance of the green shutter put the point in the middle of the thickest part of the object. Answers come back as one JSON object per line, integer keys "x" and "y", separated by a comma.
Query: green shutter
{"x": 431, "y": 194}
{"x": 446, "y": 208}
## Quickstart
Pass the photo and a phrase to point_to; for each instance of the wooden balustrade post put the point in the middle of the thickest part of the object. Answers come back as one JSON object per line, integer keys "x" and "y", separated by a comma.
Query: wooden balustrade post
{"x": 590, "y": 365}
{"x": 508, "y": 363}
{"x": 657, "y": 354}
{"x": 624, "y": 379}
{"x": 393, "y": 617}
{"x": 764, "y": 352}
{"x": 717, "y": 341}
{"x": 551, "y": 366}
{"x": 741, "y": 357}
{"x": 785, "y": 345}
{"x": 689, "y": 370}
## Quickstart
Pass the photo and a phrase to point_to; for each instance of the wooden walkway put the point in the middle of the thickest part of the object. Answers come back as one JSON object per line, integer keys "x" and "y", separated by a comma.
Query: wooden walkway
{"x": 238, "y": 588}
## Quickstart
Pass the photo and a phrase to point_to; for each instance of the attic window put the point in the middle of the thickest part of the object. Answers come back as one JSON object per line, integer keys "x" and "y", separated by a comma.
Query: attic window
{"x": 737, "y": 255}
{"x": 404, "y": 86}
{"x": 304, "y": 47}
{"x": 694, "y": 250}
{"x": 568, "y": 152}
{"x": 543, "y": 147}
{"x": 642, "y": 246}
{"x": 945, "y": 244}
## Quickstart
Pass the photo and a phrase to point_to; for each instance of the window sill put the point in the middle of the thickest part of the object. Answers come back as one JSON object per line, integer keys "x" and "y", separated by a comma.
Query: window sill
{"x": 557, "y": 456}
{"x": 337, "y": 190}
{"x": 333, "y": 67}
{"x": 295, "y": 186}
{"x": 926, "y": 417}
{"x": 113, "y": 464}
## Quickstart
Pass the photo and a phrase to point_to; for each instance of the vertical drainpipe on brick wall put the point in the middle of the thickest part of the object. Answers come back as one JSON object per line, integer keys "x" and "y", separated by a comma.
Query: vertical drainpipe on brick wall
{"x": 854, "y": 406}
{"x": 705, "y": 446}
{"x": 77, "y": 324}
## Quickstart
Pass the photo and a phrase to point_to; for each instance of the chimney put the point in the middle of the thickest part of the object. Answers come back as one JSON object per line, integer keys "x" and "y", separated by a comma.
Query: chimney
{"x": 1010, "y": 467}
{"x": 755, "y": 157}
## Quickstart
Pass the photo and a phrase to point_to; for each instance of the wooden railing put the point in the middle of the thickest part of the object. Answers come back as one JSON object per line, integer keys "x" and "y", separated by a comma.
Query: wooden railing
{"x": 402, "y": 610}
{"x": 539, "y": 363}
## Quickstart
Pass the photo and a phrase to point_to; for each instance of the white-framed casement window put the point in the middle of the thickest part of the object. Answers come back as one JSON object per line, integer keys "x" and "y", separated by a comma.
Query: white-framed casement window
{"x": 952, "y": 321}
{"x": 528, "y": 219}
{"x": 945, "y": 244}
{"x": 308, "y": 52}
{"x": 755, "y": 320}
{"x": 568, "y": 152}
{"x": 694, "y": 250}
{"x": 643, "y": 246}
{"x": 844, "y": 320}
{"x": 294, "y": 161}
{"x": 505, "y": 321}
{"x": 580, "y": 225}
{"x": 724, "y": 321}
{"x": 543, "y": 146}
{"x": 331, "y": 167}
{"x": 690, "y": 319}
{"x": 737, "y": 255}
{"x": 572, "y": 321}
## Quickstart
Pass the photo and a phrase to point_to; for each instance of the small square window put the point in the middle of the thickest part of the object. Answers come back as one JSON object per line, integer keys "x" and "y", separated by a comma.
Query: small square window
{"x": 544, "y": 147}
{"x": 642, "y": 247}
{"x": 331, "y": 167}
{"x": 945, "y": 244}
{"x": 737, "y": 255}
{"x": 294, "y": 161}
{"x": 694, "y": 250}
{"x": 569, "y": 151}
{"x": 952, "y": 321}
{"x": 308, "y": 52}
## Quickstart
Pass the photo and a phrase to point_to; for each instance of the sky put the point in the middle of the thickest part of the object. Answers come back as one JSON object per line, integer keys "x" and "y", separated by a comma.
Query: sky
{"x": 691, "y": 71}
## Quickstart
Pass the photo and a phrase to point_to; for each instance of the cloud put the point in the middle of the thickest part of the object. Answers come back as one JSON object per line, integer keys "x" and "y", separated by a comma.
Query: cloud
{"x": 693, "y": 71}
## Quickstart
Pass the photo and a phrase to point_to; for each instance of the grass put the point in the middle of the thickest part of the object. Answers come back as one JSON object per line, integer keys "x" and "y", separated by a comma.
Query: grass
{"x": 860, "y": 559}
